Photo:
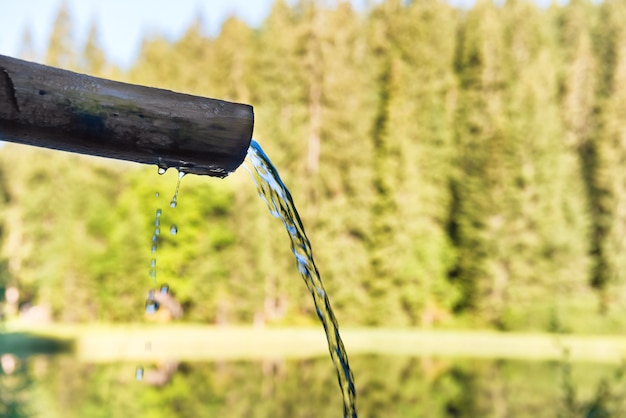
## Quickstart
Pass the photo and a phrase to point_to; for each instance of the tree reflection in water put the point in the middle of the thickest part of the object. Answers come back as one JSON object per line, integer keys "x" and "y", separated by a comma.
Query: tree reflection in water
{"x": 389, "y": 386}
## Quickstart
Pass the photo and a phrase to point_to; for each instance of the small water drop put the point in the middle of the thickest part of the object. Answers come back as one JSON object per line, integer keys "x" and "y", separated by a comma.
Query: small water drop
{"x": 157, "y": 231}
{"x": 154, "y": 238}
{"x": 156, "y": 194}
{"x": 165, "y": 289}
{"x": 159, "y": 212}
{"x": 157, "y": 221}
{"x": 152, "y": 306}
{"x": 139, "y": 374}
{"x": 173, "y": 203}
{"x": 154, "y": 248}
{"x": 152, "y": 274}
{"x": 162, "y": 170}
{"x": 153, "y": 263}
{"x": 173, "y": 229}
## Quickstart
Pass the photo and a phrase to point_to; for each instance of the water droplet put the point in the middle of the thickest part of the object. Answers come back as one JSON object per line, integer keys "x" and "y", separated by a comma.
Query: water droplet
{"x": 165, "y": 289}
{"x": 139, "y": 374}
{"x": 154, "y": 239}
{"x": 153, "y": 263}
{"x": 159, "y": 212}
{"x": 162, "y": 170}
{"x": 173, "y": 229}
{"x": 152, "y": 306}
{"x": 152, "y": 274}
{"x": 154, "y": 248}
{"x": 157, "y": 231}
{"x": 157, "y": 222}
{"x": 156, "y": 194}
{"x": 174, "y": 201}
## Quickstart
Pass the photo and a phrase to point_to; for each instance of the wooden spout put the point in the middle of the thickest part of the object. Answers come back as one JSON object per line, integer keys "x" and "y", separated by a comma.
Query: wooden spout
{"x": 58, "y": 109}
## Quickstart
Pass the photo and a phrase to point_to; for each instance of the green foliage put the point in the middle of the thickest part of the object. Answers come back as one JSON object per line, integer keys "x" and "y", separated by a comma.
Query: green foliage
{"x": 450, "y": 168}
{"x": 389, "y": 386}
{"x": 61, "y": 51}
{"x": 93, "y": 56}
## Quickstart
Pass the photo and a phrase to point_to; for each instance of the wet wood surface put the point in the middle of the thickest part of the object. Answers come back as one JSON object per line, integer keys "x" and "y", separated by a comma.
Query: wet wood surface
{"x": 58, "y": 109}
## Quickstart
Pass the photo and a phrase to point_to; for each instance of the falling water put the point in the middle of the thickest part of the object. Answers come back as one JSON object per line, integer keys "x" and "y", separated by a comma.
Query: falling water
{"x": 174, "y": 201}
{"x": 275, "y": 194}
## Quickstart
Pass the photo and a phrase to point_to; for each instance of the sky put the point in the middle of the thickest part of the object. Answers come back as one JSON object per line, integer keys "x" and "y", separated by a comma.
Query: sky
{"x": 122, "y": 23}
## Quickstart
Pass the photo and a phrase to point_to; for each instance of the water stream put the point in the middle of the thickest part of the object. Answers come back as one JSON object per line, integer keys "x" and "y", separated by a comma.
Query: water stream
{"x": 274, "y": 192}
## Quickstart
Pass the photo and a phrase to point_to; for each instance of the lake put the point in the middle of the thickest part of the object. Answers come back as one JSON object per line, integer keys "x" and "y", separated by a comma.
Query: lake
{"x": 76, "y": 384}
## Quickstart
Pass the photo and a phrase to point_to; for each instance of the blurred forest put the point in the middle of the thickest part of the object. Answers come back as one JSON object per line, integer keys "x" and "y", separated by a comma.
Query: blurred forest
{"x": 453, "y": 168}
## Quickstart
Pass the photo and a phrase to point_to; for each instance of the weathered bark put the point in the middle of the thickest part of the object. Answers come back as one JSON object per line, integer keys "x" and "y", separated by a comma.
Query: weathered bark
{"x": 53, "y": 108}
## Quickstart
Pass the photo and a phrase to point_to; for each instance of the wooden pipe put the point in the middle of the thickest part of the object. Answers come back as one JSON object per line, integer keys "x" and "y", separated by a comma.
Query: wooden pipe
{"x": 58, "y": 109}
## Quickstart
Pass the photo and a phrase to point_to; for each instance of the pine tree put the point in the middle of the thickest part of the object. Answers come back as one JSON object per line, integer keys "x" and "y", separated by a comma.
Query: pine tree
{"x": 156, "y": 65}
{"x": 413, "y": 148}
{"x": 93, "y": 57}
{"x": 278, "y": 92}
{"x": 579, "y": 83}
{"x": 61, "y": 49}
{"x": 193, "y": 52}
{"x": 231, "y": 53}
{"x": 27, "y": 49}
{"x": 610, "y": 151}
{"x": 341, "y": 184}
{"x": 520, "y": 215}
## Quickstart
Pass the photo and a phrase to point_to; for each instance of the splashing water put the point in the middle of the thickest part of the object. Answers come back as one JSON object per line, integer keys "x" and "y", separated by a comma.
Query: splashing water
{"x": 275, "y": 194}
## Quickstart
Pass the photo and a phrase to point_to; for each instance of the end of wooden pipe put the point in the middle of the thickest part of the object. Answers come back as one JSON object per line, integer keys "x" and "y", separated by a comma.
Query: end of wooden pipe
{"x": 58, "y": 109}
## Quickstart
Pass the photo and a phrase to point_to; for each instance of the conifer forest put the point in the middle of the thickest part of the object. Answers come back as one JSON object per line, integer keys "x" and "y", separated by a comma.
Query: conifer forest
{"x": 459, "y": 168}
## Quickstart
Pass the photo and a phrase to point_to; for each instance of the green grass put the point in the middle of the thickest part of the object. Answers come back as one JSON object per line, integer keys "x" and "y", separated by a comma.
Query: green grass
{"x": 109, "y": 343}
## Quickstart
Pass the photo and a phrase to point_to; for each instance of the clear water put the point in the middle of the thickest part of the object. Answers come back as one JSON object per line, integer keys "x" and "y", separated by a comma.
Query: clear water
{"x": 151, "y": 305}
{"x": 139, "y": 374}
{"x": 274, "y": 192}
{"x": 174, "y": 201}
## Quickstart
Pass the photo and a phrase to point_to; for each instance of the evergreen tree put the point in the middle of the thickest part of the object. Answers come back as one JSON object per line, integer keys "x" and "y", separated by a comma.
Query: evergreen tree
{"x": 27, "y": 49}
{"x": 231, "y": 50}
{"x": 340, "y": 183}
{"x": 610, "y": 150}
{"x": 93, "y": 58}
{"x": 193, "y": 52}
{"x": 521, "y": 211}
{"x": 413, "y": 147}
{"x": 440, "y": 161}
{"x": 579, "y": 83}
{"x": 156, "y": 65}
{"x": 61, "y": 49}
{"x": 578, "y": 101}
{"x": 279, "y": 93}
